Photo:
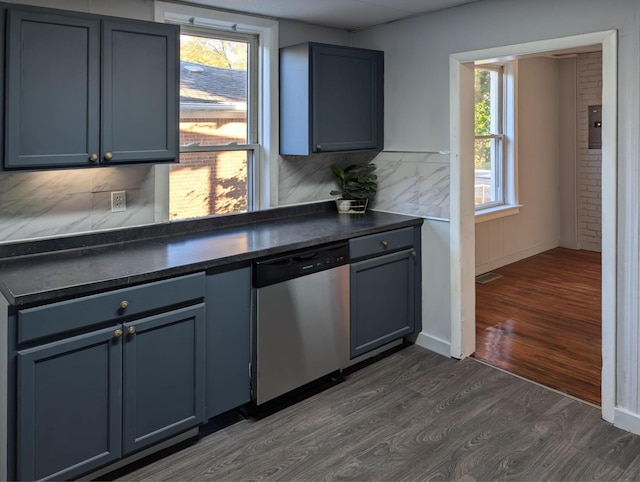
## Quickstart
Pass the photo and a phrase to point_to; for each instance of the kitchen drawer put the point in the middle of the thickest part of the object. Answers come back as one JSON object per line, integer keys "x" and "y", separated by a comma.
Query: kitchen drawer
{"x": 380, "y": 243}
{"x": 80, "y": 313}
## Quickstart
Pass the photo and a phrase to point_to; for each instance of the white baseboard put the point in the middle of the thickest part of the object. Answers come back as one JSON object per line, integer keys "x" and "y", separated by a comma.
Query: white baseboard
{"x": 512, "y": 258}
{"x": 626, "y": 420}
{"x": 434, "y": 344}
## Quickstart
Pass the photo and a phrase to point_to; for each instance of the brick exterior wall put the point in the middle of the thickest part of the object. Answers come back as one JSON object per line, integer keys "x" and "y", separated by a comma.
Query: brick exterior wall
{"x": 589, "y": 169}
{"x": 209, "y": 183}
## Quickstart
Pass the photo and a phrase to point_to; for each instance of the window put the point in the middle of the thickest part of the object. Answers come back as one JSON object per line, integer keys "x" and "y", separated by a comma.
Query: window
{"x": 489, "y": 136}
{"x": 228, "y": 70}
{"x": 495, "y": 160}
{"x": 217, "y": 125}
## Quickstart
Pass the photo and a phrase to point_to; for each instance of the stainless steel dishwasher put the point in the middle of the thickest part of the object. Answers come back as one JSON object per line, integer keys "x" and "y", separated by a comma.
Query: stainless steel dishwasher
{"x": 301, "y": 330}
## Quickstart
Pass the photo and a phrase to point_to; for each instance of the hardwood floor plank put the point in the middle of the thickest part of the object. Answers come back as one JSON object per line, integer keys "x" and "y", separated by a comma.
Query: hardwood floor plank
{"x": 541, "y": 320}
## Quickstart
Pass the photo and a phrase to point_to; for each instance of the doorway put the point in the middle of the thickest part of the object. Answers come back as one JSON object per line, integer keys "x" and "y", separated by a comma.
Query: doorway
{"x": 541, "y": 318}
{"x": 462, "y": 227}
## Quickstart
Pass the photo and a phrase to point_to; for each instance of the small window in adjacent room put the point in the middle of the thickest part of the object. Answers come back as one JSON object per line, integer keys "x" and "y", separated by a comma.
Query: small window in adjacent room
{"x": 218, "y": 138}
{"x": 495, "y": 160}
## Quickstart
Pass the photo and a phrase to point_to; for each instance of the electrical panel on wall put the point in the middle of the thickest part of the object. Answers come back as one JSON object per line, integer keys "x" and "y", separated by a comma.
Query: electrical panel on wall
{"x": 595, "y": 127}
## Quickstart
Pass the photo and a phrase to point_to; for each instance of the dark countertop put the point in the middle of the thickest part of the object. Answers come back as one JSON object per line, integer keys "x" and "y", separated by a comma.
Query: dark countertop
{"x": 27, "y": 279}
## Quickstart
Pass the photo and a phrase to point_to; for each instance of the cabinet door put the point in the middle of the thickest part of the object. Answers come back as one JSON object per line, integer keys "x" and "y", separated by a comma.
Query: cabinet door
{"x": 164, "y": 360}
{"x": 228, "y": 340}
{"x": 52, "y": 91}
{"x": 382, "y": 300}
{"x": 347, "y": 99}
{"x": 139, "y": 92}
{"x": 69, "y": 406}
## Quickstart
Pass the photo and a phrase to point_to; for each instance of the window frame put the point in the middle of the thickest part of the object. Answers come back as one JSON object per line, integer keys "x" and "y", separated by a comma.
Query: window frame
{"x": 251, "y": 147}
{"x": 263, "y": 181}
{"x": 508, "y": 171}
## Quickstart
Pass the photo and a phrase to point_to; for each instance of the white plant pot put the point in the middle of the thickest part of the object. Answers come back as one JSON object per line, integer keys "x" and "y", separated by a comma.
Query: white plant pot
{"x": 349, "y": 206}
{"x": 343, "y": 205}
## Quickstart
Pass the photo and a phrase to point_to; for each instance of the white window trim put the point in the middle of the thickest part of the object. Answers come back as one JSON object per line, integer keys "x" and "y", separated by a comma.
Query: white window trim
{"x": 511, "y": 205}
{"x": 495, "y": 212}
{"x": 266, "y": 156}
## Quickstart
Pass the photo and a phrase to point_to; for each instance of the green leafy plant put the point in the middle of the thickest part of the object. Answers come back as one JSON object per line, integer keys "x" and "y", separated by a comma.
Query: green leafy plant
{"x": 355, "y": 182}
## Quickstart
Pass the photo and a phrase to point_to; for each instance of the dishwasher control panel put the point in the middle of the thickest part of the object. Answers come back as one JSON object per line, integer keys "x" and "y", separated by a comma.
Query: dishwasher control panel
{"x": 299, "y": 263}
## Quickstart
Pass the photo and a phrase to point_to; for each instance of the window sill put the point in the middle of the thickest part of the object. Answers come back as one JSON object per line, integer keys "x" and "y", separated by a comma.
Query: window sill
{"x": 483, "y": 215}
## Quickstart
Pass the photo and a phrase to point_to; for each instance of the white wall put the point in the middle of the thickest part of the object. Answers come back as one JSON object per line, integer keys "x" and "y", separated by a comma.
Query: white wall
{"x": 292, "y": 33}
{"x": 567, "y": 213}
{"x": 535, "y": 228}
{"x": 417, "y": 52}
{"x": 436, "y": 295}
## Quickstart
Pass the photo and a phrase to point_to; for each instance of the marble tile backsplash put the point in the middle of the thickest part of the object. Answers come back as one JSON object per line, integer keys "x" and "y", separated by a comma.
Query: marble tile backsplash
{"x": 54, "y": 203}
{"x": 408, "y": 183}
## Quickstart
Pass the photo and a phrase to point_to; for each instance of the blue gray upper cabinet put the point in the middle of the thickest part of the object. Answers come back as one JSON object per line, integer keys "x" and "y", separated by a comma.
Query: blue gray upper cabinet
{"x": 331, "y": 99}
{"x": 139, "y": 92}
{"x": 53, "y": 88}
{"x": 85, "y": 90}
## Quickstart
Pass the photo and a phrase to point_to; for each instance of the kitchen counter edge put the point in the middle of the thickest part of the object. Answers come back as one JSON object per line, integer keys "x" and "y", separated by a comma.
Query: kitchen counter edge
{"x": 54, "y": 282}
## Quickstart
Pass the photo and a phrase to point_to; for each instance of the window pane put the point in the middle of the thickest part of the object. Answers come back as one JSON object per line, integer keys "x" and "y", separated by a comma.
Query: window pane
{"x": 208, "y": 183}
{"x": 487, "y": 173}
{"x": 213, "y": 91}
{"x": 483, "y": 102}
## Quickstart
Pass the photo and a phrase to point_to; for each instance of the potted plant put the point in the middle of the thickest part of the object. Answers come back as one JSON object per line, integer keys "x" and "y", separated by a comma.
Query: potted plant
{"x": 357, "y": 184}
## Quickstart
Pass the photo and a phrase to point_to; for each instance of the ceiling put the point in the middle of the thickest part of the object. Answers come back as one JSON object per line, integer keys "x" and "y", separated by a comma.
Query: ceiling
{"x": 342, "y": 14}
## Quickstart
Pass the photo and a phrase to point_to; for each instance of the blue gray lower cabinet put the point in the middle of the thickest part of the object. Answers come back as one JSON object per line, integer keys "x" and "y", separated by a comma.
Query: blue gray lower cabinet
{"x": 69, "y": 406}
{"x": 382, "y": 300}
{"x": 386, "y": 288}
{"x": 164, "y": 367}
{"x": 90, "y": 399}
{"x": 228, "y": 340}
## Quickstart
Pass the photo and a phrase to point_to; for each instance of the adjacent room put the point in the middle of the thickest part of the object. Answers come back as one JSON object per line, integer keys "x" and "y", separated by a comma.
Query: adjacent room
{"x": 538, "y": 218}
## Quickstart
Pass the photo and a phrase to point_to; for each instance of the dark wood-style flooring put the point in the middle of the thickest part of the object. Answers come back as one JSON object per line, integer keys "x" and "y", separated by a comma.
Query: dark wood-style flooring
{"x": 542, "y": 321}
{"x": 415, "y": 415}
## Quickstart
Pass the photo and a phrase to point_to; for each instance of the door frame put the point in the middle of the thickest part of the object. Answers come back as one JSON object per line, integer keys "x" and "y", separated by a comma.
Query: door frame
{"x": 462, "y": 211}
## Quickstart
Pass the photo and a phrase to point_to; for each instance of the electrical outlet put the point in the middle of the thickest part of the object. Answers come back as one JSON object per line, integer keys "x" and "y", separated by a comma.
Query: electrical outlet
{"x": 118, "y": 201}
